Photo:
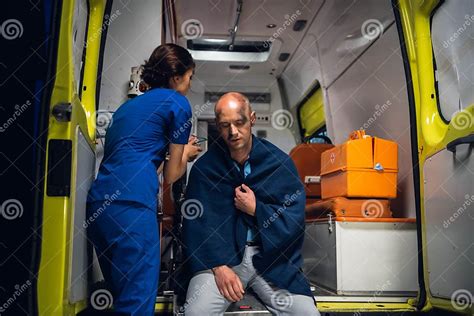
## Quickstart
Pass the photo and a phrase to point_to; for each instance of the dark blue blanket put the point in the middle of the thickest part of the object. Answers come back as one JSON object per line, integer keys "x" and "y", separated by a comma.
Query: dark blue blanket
{"x": 214, "y": 231}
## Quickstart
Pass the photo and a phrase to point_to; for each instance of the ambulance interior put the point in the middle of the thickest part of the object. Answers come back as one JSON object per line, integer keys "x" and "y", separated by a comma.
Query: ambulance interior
{"x": 314, "y": 71}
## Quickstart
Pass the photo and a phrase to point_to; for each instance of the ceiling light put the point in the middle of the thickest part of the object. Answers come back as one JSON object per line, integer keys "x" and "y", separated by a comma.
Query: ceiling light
{"x": 214, "y": 40}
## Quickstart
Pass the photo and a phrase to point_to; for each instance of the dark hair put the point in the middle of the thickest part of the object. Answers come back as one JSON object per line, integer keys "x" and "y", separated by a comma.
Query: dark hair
{"x": 166, "y": 61}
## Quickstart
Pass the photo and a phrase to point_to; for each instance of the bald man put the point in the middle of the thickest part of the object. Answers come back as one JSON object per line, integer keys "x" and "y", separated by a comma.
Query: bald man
{"x": 243, "y": 221}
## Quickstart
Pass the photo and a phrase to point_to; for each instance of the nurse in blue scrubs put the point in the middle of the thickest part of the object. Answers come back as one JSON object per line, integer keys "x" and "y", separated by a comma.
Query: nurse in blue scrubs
{"x": 122, "y": 202}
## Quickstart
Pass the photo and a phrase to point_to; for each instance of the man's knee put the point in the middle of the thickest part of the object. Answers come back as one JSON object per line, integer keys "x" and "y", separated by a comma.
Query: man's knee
{"x": 203, "y": 306}
{"x": 203, "y": 297}
{"x": 194, "y": 309}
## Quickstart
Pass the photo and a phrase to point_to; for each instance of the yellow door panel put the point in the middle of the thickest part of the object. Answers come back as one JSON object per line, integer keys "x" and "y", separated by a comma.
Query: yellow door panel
{"x": 434, "y": 134}
{"x": 55, "y": 277}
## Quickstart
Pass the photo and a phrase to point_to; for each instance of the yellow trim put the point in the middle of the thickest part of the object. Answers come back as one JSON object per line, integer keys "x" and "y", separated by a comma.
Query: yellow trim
{"x": 311, "y": 113}
{"x": 164, "y": 308}
{"x": 96, "y": 23}
{"x": 363, "y": 307}
{"x": 56, "y": 252}
{"x": 433, "y": 133}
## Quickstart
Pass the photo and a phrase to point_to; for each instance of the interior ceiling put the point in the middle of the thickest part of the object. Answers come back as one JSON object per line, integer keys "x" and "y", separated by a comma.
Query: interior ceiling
{"x": 217, "y": 17}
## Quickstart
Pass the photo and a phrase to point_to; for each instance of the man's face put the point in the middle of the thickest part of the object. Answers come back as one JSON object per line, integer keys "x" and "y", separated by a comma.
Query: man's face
{"x": 234, "y": 123}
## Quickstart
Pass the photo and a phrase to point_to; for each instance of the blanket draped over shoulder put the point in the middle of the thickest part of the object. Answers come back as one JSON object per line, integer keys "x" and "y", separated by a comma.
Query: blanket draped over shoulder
{"x": 215, "y": 232}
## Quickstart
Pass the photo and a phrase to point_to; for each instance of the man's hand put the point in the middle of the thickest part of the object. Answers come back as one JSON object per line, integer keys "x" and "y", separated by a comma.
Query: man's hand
{"x": 245, "y": 201}
{"x": 228, "y": 283}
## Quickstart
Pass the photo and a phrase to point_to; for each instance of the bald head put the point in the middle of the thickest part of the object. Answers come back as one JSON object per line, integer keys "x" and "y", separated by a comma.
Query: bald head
{"x": 233, "y": 100}
{"x": 235, "y": 118}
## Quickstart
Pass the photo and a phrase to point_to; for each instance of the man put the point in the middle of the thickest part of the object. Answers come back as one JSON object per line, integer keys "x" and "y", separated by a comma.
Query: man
{"x": 244, "y": 221}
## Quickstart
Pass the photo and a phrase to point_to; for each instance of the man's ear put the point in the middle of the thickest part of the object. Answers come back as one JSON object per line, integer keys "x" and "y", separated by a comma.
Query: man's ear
{"x": 253, "y": 118}
{"x": 216, "y": 119}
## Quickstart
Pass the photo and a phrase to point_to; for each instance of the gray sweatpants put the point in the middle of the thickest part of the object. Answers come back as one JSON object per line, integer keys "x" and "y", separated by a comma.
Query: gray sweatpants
{"x": 203, "y": 297}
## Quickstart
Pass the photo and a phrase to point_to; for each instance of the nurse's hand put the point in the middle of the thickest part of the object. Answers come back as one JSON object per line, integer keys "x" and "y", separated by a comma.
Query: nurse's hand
{"x": 179, "y": 156}
{"x": 228, "y": 283}
{"x": 191, "y": 150}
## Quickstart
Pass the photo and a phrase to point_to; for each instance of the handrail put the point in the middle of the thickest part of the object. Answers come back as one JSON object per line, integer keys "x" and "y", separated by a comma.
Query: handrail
{"x": 233, "y": 31}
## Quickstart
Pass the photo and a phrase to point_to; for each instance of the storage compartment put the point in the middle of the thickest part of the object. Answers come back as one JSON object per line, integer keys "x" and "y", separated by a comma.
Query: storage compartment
{"x": 361, "y": 256}
{"x": 307, "y": 159}
{"x": 365, "y": 167}
{"x": 341, "y": 206}
{"x": 360, "y": 183}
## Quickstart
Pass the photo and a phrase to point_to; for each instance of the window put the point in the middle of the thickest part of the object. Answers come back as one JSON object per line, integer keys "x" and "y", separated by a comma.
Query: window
{"x": 311, "y": 115}
{"x": 452, "y": 32}
{"x": 319, "y": 137}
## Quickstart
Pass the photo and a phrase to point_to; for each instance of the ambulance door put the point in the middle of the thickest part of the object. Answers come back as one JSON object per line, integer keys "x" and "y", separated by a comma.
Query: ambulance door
{"x": 439, "y": 47}
{"x": 70, "y": 163}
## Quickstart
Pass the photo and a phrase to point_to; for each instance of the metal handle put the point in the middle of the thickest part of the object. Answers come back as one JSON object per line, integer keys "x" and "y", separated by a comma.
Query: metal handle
{"x": 233, "y": 31}
{"x": 469, "y": 139}
{"x": 312, "y": 179}
{"x": 330, "y": 223}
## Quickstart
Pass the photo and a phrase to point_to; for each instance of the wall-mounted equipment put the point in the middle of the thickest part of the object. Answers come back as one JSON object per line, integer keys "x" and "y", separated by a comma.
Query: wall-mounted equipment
{"x": 136, "y": 86}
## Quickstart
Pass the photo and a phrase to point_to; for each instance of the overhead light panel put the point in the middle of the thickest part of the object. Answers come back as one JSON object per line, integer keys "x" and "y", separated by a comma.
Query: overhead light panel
{"x": 223, "y": 46}
{"x": 239, "y": 67}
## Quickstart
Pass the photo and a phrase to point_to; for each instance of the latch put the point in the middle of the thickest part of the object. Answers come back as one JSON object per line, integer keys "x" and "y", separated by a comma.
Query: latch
{"x": 330, "y": 223}
{"x": 62, "y": 112}
{"x": 312, "y": 179}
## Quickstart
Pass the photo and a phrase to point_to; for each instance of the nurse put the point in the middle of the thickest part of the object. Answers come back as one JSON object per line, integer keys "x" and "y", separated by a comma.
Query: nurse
{"x": 122, "y": 201}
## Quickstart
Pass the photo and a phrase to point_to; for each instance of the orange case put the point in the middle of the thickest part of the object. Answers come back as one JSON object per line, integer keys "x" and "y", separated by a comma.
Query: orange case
{"x": 340, "y": 206}
{"x": 307, "y": 159}
{"x": 350, "y": 169}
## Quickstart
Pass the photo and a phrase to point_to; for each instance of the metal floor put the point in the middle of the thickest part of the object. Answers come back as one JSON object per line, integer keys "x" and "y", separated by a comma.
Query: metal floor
{"x": 251, "y": 305}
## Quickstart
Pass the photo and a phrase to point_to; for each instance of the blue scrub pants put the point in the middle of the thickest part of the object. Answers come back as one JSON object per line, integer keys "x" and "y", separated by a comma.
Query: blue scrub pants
{"x": 126, "y": 238}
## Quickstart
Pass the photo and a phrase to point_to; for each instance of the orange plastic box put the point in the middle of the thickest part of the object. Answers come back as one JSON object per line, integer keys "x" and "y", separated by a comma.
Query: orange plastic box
{"x": 341, "y": 206}
{"x": 361, "y": 167}
{"x": 307, "y": 159}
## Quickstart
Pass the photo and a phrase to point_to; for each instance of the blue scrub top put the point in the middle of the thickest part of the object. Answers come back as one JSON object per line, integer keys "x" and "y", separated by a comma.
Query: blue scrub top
{"x": 136, "y": 144}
